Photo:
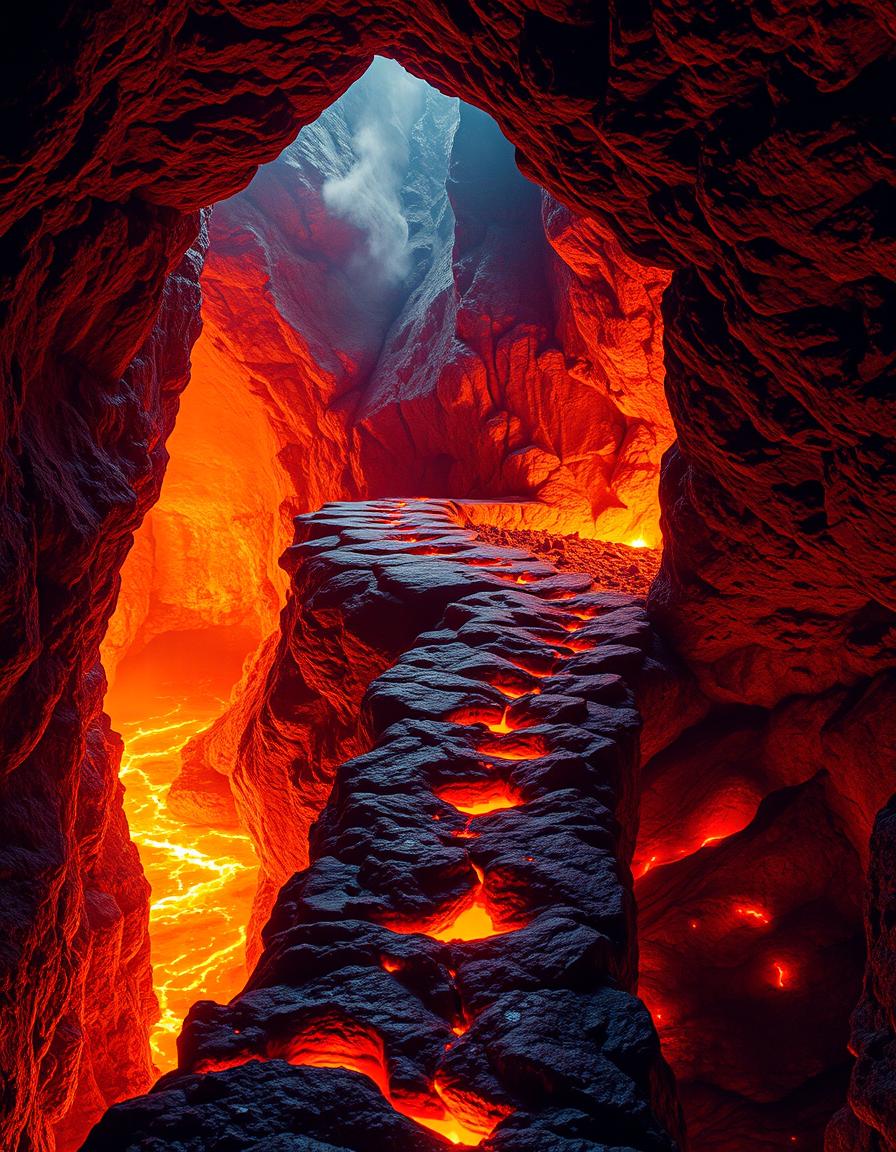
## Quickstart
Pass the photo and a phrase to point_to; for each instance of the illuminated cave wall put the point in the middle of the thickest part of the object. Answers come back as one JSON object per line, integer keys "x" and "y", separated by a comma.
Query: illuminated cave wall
{"x": 419, "y": 318}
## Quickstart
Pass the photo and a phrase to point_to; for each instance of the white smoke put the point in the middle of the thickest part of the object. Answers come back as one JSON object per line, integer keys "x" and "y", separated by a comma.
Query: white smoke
{"x": 369, "y": 194}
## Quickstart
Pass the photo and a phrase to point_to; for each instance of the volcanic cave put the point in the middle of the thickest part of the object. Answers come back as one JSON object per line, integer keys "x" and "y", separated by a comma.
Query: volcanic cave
{"x": 447, "y": 606}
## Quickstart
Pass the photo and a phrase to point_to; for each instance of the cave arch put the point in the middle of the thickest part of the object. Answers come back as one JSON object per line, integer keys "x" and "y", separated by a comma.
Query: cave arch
{"x": 778, "y": 570}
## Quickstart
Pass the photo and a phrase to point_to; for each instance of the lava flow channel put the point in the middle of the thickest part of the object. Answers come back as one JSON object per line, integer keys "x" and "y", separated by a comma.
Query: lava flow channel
{"x": 202, "y": 881}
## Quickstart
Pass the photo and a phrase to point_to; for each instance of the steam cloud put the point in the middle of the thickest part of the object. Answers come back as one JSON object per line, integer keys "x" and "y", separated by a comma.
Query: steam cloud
{"x": 369, "y": 193}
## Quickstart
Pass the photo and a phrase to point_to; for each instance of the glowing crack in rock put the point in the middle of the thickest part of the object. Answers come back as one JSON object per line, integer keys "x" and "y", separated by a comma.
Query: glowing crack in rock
{"x": 357, "y": 1048}
{"x": 472, "y": 920}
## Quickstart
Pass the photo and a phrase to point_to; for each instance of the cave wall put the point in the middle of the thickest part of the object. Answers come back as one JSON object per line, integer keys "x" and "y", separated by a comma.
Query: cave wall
{"x": 868, "y": 1123}
{"x": 746, "y": 147}
{"x": 77, "y": 986}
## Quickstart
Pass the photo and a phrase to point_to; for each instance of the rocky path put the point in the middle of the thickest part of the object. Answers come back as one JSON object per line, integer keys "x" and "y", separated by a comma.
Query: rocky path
{"x": 464, "y": 933}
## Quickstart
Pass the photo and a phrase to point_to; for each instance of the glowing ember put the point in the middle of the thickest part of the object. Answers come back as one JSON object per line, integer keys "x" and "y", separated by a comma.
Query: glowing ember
{"x": 782, "y": 974}
{"x": 753, "y": 915}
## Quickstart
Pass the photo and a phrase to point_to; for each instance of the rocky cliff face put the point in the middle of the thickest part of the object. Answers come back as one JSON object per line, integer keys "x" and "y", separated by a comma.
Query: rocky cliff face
{"x": 76, "y": 976}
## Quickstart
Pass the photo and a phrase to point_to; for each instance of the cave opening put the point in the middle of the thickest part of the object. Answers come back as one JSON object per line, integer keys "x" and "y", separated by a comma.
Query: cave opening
{"x": 390, "y": 310}
{"x": 745, "y": 153}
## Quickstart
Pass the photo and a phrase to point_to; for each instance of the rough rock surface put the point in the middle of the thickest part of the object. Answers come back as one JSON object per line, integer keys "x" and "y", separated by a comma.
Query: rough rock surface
{"x": 615, "y": 567}
{"x": 463, "y": 935}
{"x": 753, "y": 839}
{"x": 868, "y": 1124}
{"x": 747, "y": 147}
{"x": 75, "y": 977}
{"x": 297, "y": 714}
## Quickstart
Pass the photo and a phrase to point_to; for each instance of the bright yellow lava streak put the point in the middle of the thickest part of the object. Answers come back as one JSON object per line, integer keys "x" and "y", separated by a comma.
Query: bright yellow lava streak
{"x": 202, "y": 880}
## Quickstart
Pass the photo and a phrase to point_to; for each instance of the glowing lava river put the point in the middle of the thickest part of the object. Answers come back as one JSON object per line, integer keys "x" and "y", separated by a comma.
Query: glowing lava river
{"x": 202, "y": 878}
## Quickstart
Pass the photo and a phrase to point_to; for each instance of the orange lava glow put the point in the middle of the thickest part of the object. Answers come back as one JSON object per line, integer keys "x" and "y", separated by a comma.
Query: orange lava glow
{"x": 578, "y": 646}
{"x": 344, "y": 1044}
{"x": 472, "y": 920}
{"x": 499, "y": 725}
{"x": 659, "y": 856}
{"x": 782, "y": 974}
{"x": 513, "y": 692}
{"x": 203, "y": 880}
{"x": 753, "y": 915}
{"x": 480, "y": 799}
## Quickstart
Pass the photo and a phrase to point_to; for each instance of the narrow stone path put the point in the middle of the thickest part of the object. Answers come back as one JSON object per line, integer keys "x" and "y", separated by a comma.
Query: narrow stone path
{"x": 464, "y": 934}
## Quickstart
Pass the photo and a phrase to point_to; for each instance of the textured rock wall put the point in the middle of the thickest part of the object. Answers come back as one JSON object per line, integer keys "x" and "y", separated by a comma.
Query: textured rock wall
{"x": 868, "y": 1124}
{"x": 464, "y": 932}
{"x": 74, "y": 962}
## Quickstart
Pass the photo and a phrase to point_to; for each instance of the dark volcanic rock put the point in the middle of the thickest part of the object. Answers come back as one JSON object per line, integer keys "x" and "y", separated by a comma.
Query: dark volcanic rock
{"x": 463, "y": 934}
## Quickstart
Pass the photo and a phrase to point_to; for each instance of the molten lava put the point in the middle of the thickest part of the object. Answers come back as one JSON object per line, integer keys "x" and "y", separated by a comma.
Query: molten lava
{"x": 202, "y": 879}
{"x": 480, "y": 799}
{"x": 471, "y": 920}
{"x": 753, "y": 916}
